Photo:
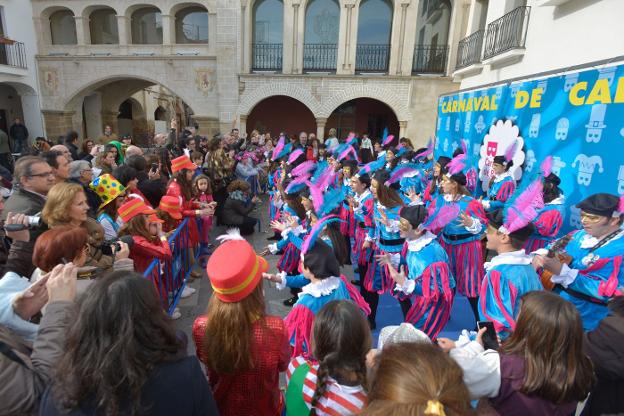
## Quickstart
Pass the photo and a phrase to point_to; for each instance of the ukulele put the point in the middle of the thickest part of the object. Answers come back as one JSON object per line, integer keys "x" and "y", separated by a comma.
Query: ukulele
{"x": 556, "y": 250}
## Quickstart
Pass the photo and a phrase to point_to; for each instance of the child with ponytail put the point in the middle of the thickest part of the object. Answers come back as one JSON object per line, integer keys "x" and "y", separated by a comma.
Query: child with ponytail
{"x": 341, "y": 340}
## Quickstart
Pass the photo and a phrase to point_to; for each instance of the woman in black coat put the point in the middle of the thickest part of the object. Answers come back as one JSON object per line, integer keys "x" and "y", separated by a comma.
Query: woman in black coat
{"x": 238, "y": 206}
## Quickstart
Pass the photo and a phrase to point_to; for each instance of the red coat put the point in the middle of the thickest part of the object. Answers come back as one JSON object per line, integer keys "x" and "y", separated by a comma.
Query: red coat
{"x": 255, "y": 392}
{"x": 143, "y": 252}
{"x": 188, "y": 210}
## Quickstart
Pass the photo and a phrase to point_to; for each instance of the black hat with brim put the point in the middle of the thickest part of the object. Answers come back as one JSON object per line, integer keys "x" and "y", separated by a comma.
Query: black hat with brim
{"x": 605, "y": 205}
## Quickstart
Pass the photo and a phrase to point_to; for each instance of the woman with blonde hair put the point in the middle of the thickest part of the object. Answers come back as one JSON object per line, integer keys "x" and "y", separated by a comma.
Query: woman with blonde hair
{"x": 413, "y": 379}
{"x": 66, "y": 204}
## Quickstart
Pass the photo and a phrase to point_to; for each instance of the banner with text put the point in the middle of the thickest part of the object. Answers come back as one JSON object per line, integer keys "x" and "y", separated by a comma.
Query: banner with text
{"x": 578, "y": 118}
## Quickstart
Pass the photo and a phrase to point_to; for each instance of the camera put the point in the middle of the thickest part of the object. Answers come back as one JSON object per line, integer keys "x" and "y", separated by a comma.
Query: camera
{"x": 34, "y": 221}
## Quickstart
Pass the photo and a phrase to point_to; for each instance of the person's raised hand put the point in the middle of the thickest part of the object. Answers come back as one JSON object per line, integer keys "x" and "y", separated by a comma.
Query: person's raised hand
{"x": 278, "y": 226}
{"x": 16, "y": 218}
{"x": 264, "y": 252}
{"x": 124, "y": 251}
{"x": 30, "y": 301}
{"x": 466, "y": 220}
{"x": 272, "y": 277}
{"x": 399, "y": 276}
{"x": 479, "y": 338}
{"x": 62, "y": 283}
{"x": 446, "y": 344}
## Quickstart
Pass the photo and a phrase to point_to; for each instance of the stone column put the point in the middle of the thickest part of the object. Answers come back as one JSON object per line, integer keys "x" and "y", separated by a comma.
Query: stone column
{"x": 402, "y": 128}
{"x": 456, "y": 33}
{"x": 208, "y": 126}
{"x": 242, "y": 126}
{"x": 32, "y": 115}
{"x": 320, "y": 128}
{"x": 347, "y": 38}
{"x": 406, "y": 38}
{"x": 297, "y": 37}
{"x": 123, "y": 28}
{"x": 288, "y": 47}
{"x": 82, "y": 31}
{"x": 168, "y": 23}
{"x": 57, "y": 123}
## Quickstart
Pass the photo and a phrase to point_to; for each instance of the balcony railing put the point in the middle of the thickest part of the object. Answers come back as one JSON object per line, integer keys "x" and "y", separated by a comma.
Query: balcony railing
{"x": 507, "y": 32}
{"x": 319, "y": 57}
{"x": 266, "y": 57}
{"x": 372, "y": 58}
{"x": 469, "y": 49}
{"x": 13, "y": 55}
{"x": 429, "y": 59}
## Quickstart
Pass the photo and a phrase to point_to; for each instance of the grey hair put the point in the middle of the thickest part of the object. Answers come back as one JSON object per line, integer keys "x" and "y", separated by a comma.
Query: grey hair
{"x": 76, "y": 167}
{"x": 23, "y": 167}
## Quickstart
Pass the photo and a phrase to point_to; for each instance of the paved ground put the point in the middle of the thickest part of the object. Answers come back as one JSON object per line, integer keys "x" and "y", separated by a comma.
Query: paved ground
{"x": 388, "y": 313}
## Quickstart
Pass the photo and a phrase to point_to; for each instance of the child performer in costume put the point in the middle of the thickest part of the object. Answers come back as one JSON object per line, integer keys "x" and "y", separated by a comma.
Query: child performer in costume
{"x": 334, "y": 383}
{"x": 424, "y": 274}
{"x": 362, "y": 204}
{"x": 595, "y": 273}
{"x": 433, "y": 189}
{"x": 387, "y": 240}
{"x": 347, "y": 226}
{"x": 321, "y": 268}
{"x": 550, "y": 218}
{"x": 509, "y": 275}
{"x": 502, "y": 185}
{"x": 244, "y": 349}
{"x": 461, "y": 238}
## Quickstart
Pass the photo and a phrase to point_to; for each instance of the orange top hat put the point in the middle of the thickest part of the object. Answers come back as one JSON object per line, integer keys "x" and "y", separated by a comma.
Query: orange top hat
{"x": 234, "y": 269}
{"x": 182, "y": 162}
{"x": 171, "y": 205}
{"x": 132, "y": 208}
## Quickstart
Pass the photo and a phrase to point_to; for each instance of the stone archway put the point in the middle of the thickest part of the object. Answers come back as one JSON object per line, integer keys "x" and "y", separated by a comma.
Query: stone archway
{"x": 363, "y": 115}
{"x": 268, "y": 116}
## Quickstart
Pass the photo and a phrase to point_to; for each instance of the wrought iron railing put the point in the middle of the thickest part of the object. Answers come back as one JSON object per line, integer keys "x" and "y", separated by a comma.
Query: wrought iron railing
{"x": 266, "y": 57}
{"x": 319, "y": 57}
{"x": 372, "y": 58}
{"x": 13, "y": 54}
{"x": 429, "y": 59}
{"x": 469, "y": 49}
{"x": 507, "y": 32}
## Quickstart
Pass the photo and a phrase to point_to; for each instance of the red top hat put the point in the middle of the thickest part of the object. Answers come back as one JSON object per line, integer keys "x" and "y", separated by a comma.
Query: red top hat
{"x": 234, "y": 269}
{"x": 132, "y": 208}
{"x": 172, "y": 206}
{"x": 182, "y": 162}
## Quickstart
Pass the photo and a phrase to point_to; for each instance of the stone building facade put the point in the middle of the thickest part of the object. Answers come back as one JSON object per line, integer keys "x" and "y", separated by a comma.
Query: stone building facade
{"x": 207, "y": 60}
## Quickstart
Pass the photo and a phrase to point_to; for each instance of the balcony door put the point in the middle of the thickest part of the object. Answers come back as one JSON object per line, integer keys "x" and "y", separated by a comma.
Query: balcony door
{"x": 320, "y": 48}
{"x": 268, "y": 30}
{"x": 373, "y": 38}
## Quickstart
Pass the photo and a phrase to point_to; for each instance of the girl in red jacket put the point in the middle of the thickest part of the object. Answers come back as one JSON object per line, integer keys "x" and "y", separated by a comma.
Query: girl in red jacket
{"x": 147, "y": 247}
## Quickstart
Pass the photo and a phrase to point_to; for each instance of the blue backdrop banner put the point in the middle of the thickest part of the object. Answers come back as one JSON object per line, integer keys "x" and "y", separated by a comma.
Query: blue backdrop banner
{"x": 578, "y": 118}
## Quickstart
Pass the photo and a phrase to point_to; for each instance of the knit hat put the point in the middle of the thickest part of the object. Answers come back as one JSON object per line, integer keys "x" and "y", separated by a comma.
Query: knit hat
{"x": 171, "y": 205}
{"x": 107, "y": 188}
{"x": 234, "y": 269}
{"x": 182, "y": 162}
{"x": 132, "y": 208}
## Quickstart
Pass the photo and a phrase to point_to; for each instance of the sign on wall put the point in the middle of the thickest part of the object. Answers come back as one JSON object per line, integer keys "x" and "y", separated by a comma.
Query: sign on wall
{"x": 578, "y": 118}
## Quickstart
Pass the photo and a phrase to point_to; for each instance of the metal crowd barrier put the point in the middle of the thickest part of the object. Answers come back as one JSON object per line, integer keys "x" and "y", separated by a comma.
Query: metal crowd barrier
{"x": 170, "y": 277}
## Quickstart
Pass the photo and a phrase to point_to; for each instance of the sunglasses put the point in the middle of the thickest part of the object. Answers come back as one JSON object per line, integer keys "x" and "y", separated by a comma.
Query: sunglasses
{"x": 590, "y": 218}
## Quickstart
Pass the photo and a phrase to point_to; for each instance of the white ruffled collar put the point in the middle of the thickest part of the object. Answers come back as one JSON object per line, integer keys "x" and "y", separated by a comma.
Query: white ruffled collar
{"x": 498, "y": 178}
{"x": 512, "y": 257}
{"x": 421, "y": 242}
{"x": 588, "y": 241}
{"x": 360, "y": 198}
{"x": 557, "y": 201}
{"x": 321, "y": 288}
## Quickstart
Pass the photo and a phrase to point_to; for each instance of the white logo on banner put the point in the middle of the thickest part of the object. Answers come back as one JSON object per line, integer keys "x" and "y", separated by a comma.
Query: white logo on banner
{"x": 445, "y": 145}
{"x": 607, "y": 73}
{"x": 530, "y": 160}
{"x": 575, "y": 218}
{"x": 534, "y": 126}
{"x": 476, "y": 148}
{"x": 480, "y": 125}
{"x": 587, "y": 166}
{"x": 595, "y": 124}
{"x": 495, "y": 143}
{"x": 439, "y": 123}
{"x": 513, "y": 89}
{"x": 570, "y": 81}
{"x": 557, "y": 165}
{"x": 454, "y": 146}
{"x": 467, "y": 122}
{"x": 563, "y": 125}
{"x": 543, "y": 84}
{"x": 457, "y": 125}
{"x": 447, "y": 126}
{"x": 621, "y": 180}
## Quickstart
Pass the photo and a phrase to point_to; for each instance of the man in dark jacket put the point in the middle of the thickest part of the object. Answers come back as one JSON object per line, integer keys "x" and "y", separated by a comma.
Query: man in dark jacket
{"x": 19, "y": 134}
{"x": 149, "y": 183}
{"x": 605, "y": 347}
{"x": 236, "y": 208}
{"x": 71, "y": 142}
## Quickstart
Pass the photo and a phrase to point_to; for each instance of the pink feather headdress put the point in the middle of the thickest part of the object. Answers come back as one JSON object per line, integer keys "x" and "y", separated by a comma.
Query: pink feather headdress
{"x": 523, "y": 208}
{"x": 294, "y": 156}
{"x": 511, "y": 151}
{"x": 388, "y": 140}
{"x": 457, "y": 164}
{"x": 546, "y": 166}
{"x": 278, "y": 148}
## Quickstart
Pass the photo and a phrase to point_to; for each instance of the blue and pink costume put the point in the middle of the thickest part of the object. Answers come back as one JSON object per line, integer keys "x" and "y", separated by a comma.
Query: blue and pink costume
{"x": 364, "y": 228}
{"x": 312, "y": 298}
{"x": 429, "y": 284}
{"x": 593, "y": 277}
{"x": 347, "y": 226}
{"x": 501, "y": 189}
{"x": 508, "y": 277}
{"x": 463, "y": 245}
{"x": 289, "y": 262}
{"x": 547, "y": 226}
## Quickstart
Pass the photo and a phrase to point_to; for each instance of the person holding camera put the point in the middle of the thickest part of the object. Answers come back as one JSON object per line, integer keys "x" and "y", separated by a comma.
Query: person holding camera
{"x": 149, "y": 183}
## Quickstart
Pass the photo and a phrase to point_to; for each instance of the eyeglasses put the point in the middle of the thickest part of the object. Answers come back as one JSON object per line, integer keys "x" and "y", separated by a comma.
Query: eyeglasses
{"x": 590, "y": 218}
{"x": 41, "y": 175}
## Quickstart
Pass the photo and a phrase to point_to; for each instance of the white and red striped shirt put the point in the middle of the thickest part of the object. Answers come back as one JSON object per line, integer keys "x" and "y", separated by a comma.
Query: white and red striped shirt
{"x": 338, "y": 400}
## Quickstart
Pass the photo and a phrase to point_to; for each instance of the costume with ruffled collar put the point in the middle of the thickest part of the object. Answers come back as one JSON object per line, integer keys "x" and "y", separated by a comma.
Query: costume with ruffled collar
{"x": 547, "y": 225}
{"x": 501, "y": 189}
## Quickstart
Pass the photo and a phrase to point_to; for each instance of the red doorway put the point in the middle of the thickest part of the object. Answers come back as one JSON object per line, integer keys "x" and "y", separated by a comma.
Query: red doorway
{"x": 280, "y": 113}
{"x": 363, "y": 115}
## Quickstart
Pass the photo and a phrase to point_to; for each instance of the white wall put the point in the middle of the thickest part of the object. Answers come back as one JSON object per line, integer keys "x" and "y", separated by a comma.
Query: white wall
{"x": 574, "y": 33}
{"x": 18, "y": 25}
